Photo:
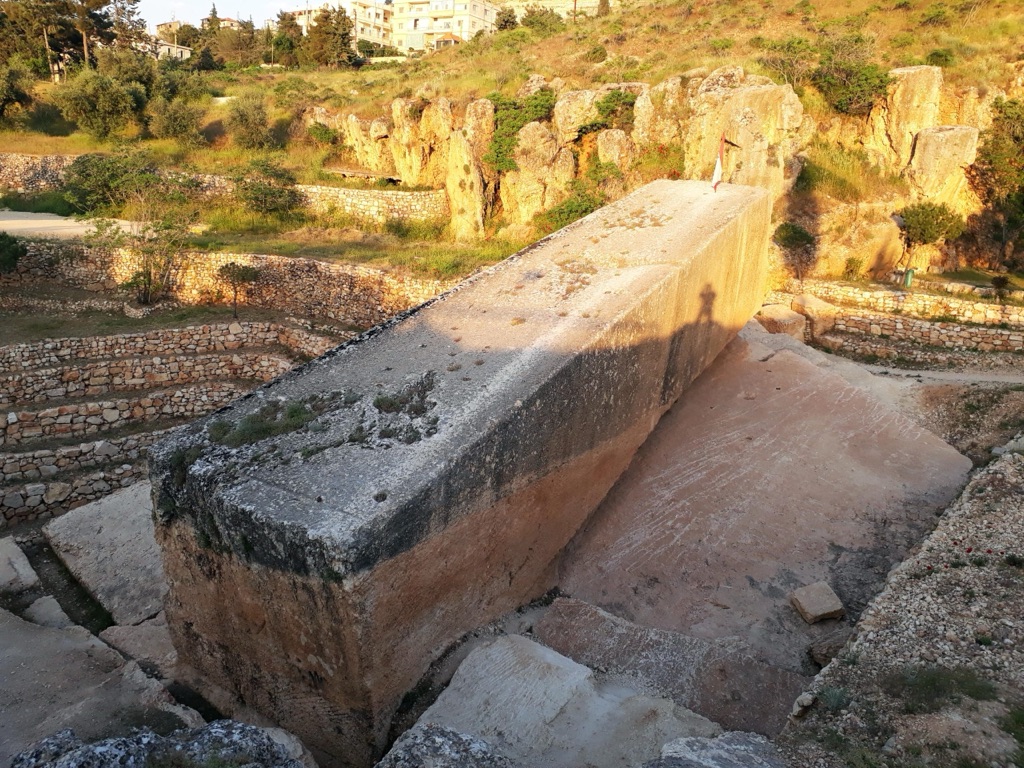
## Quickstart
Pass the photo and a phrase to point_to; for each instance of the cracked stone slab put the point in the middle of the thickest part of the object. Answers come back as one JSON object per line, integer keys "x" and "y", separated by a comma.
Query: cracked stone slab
{"x": 110, "y": 548}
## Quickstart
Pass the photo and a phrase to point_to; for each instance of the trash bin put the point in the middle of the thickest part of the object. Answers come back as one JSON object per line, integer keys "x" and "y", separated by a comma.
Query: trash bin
{"x": 908, "y": 278}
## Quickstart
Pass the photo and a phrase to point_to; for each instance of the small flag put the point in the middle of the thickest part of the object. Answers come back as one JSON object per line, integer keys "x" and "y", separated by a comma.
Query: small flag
{"x": 716, "y": 178}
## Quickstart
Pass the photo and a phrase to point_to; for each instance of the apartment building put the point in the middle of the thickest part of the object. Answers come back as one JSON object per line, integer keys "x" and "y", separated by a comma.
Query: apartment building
{"x": 564, "y": 8}
{"x": 425, "y": 25}
{"x": 371, "y": 19}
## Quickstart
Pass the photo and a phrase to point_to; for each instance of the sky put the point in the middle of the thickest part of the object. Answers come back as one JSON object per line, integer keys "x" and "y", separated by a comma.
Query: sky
{"x": 191, "y": 11}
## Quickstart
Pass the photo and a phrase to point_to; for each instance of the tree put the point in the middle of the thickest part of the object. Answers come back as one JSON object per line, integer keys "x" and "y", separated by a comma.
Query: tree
{"x": 103, "y": 183}
{"x": 329, "y": 42}
{"x": 89, "y": 17}
{"x": 798, "y": 247}
{"x": 266, "y": 187}
{"x": 129, "y": 28}
{"x": 542, "y": 21}
{"x": 247, "y": 121}
{"x": 12, "y": 249}
{"x": 204, "y": 61}
{"x": 793, "y": 58}
{"x": 604, "y": 7}
{"x": 926, "y": 223}
{"x": 287, "y": 41}
{"x": 238, "y": 276}
{"x": 176, "y": 119}
{"x": 98, "y": 104}
{"x": 846, "y": 77}
{"x": 506, "y": 19}
{"x": 15, "y": 86}
{"x": 998, "y": 173}
{"x": 164, "y": 214}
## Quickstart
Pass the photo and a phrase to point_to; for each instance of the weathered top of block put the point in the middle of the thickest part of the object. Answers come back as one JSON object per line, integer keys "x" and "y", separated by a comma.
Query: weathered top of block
{"x": 514, "y": 372}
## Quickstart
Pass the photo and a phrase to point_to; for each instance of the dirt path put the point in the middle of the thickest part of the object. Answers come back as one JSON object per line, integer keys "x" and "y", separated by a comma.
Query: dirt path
{"x": 950, "y": 377}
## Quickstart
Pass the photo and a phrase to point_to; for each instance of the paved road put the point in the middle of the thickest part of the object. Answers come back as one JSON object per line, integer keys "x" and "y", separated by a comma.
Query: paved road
{"x": 42, "y": 225}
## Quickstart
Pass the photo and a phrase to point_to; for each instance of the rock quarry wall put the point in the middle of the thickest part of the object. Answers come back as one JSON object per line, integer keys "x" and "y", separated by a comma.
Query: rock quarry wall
{"x": 350, "y": 294}
{"x": 451, "y": 456}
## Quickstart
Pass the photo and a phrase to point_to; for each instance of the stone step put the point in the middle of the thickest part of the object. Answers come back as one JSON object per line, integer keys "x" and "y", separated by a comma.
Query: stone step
{"x": 720, "y": 680}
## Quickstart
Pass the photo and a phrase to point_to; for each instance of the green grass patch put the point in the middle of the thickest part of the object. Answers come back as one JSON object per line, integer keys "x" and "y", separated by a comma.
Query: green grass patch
{"x": 271, "y": 420}
{"x": 844, "y": 175}
{"x": 928, "y": 689}
{"x": 40, "y": 202}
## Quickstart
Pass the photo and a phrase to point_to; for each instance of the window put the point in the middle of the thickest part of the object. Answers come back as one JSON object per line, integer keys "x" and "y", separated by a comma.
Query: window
{"x": 401, "y": 25}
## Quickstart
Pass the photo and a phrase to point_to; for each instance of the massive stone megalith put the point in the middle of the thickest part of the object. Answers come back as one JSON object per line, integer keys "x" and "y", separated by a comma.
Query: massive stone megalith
{"x": 328, "y": 536}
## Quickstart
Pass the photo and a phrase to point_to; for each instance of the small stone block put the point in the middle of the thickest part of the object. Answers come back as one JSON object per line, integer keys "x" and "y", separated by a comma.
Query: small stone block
{"x": 16, "y": 575}
{"x": 775, "y": 318}
{"x": 817, "y": 602}
{"x": 46, "y": 612}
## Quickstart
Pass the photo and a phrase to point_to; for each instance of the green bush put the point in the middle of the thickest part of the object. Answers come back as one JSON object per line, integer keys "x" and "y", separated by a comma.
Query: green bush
{"x": 321, "y": 134}
{"x": 792, "y": 58}
{"x": 98, "y": 104}
{"x": 175, "y": 119}
{"x": 941, "y": 57}
{"x": 581, "y": 202}
{"x": 15, "y": 87}
{"x": 851, "y": 88}
{"x": 247, "y": 121}
{"x": 266, "y": 187}
{"x": 930, "y": 222}
{"x": 506, "y": 19}
{"x": 12, "y": 249}
{"x": 596, "y": 54}
{"x": 791, "y": 236}
{"x": 52, "y": 201}
{"x": 509, "y": 118}
{"x": 101, "y": 183}
{"x": 542, "y": 21}
{"x": 998, "y": 173}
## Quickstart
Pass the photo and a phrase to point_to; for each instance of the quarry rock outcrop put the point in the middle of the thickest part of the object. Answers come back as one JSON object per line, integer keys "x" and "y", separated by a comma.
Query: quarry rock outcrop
{"x": 419, "y": 140}
{"x": 659, "y": 113}
{"x": 911, "y": 104}
{"x": 465, "y": 186}
{"x": 368, "y": 140}
{"x": 614, "y": 146}
{"x": 764, "y": 120}
{"x": 938, "y": 168}
{"x": 573, "y": 110}
{"x": 544, "y": 176}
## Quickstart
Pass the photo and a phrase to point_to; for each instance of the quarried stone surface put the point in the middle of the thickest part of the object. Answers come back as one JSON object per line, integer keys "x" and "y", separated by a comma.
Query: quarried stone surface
{"x": 440, "y": 747}
{"x": 16, "y": 574}
{"x": 109, "y": 546}
{"x": 446, "y": 460}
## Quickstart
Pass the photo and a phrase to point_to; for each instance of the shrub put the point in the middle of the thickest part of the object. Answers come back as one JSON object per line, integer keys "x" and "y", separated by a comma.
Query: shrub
{"x": 792, "y": 58}
{"x": 928, "y": 689}
{"x": 266, "y": 187}
{"x": 596, "y": 54}
{"x": 853, "y": 268}
{"x": 238, "y": 276}
{"x": 941, "y": 57}
{"x": 15, "y": 87}
{"x": 580, "y": 203}
{"x": 935, "y": 16}
{"x": 542, "y": 21}
{"x": 175, "y": 119}
{"x": 100, "y": 183}
{"x": 509, "y": 118}
{"x": 616, "y": 109}
{"x": 247, "y": 121}
{"x": 998, "y": 173}
{"x": 321, "y": 134}
{"x": 12, "y": 249}
{"x": 789, "y": 235}
{"x": 722, "y": 44}
{"x": 930, "y": 222}
{"x": 851, "y": 88}
{"x": 98, "y": 104}
{"x": 506, "y": 19}
{"x": 844, "y": 175}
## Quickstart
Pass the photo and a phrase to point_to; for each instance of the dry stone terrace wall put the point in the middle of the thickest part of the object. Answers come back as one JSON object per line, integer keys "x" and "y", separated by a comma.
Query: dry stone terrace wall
{"x": 350, "y": 294}
{"x": 80, "y": 419}
{"x": 47, "y": 463}
{"x": 939, "y": 334}
{"x": 39, "y": 173}
{"x": 454, "y": 455}
{"x": 92, "y": 379}
{"x": 41, "y": 500}
{"x": 913, "y": 303}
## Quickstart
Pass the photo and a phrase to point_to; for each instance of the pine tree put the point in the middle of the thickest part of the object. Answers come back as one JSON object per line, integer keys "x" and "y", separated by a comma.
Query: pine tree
{"x": 287, "y": 41}
{"x": 329, "y": 42}
{"x": 129, "y": 28}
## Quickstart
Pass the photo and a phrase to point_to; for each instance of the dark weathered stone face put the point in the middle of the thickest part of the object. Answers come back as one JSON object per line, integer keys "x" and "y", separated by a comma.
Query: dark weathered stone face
{"x": 329, "y": 535}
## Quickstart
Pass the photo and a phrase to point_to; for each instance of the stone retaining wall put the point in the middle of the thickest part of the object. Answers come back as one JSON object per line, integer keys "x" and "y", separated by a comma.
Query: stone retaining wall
{"x": 907, "y": 354}
{"x": 32, "y": 173}
{"x": 39, "y": 501}
{"x": 194, "y": 340}
{"x": 47, "y": 463}
{"x": 938, "y": 334}
{"x": 127, "y": 375}
{"x": 90, "y": 418}
{"x": 916, "y": 304}
{"x": 350, "y": 294}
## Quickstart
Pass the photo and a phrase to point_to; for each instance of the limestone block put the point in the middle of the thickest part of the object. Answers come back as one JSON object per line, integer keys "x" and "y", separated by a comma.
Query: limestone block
{"x": 573, "y": 110}
{"x": 464, "y": 183}
{"x": 659, "y": 112}
{"x": 730, "y": 750}
{"x": 776, "y": 318}
{"x": 615, "y": 147}
{"x": 439, "y": 747}
{"x": 544, "y": 175}
{"x": 338, "y": 577}
{"x": 764, "y": 120}
{"x": 16, "y": 574}
{"x": 149, "y": 643}
{"x": 820, "y": 314}
{"x": 817, "y": 602}
{"x": 910, "y": 106}
{"x": 937, "y": 170}
{"x": 541, "y": 708}
{"x": 46, "y": 612}
{"x": 109, "y": 547}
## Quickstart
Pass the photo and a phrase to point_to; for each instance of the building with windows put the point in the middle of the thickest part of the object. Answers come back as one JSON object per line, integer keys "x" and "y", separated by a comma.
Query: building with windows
{"x": 166, "y": 50}
{"x": 426, "y": 25}
{"x": 371, "y": 19}
{"x": 225, "y": 23}
{"x": 167, "y": 29}
{"x": 564, "y": 8}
